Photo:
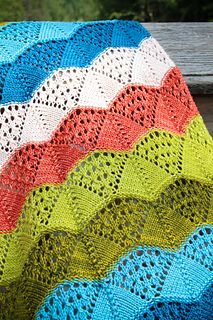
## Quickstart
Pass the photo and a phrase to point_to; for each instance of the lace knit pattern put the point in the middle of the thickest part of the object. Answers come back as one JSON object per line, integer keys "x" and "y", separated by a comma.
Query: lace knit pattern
{"x": 106, "y": 195}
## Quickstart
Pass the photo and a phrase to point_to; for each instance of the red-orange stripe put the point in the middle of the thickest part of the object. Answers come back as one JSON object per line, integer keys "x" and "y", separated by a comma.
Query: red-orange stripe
{"x": 133, "y": 112}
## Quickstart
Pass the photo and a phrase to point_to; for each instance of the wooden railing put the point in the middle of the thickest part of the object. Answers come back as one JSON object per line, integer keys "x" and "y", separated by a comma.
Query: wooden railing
{"x": 190, "y": 46}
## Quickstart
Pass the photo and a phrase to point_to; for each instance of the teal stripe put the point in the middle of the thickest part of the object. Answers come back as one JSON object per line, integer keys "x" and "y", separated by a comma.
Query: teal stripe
{"x": 16, "y": 37}
{"x": 57, "y": 45}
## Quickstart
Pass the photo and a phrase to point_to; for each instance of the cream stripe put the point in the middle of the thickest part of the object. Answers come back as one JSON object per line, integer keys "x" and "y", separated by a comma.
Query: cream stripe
{"x": 94, "y": 86}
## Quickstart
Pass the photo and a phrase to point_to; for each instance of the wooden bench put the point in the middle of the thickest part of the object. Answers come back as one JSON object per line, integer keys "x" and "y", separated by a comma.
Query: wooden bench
{"x": 190, "y": 46}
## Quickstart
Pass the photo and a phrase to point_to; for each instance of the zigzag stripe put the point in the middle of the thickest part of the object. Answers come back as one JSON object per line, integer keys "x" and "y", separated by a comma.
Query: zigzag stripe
{"x": 16, "y": 37}
{"x": 132, "y": 283}
{"x": 199, "y": 308}
{"x": 108, "y": 233}
{"x": 133, "y": 276}
{"x": 20, "y": 79}
{"x": 163, "y": 308}
{"x": 69, "y": 88}
{"x": 86, "y": 130}
{"x": 104, "y": 224}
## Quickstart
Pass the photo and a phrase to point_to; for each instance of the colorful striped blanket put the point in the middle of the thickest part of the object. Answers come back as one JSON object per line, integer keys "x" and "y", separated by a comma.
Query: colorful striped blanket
{"x": 106, "y": 170}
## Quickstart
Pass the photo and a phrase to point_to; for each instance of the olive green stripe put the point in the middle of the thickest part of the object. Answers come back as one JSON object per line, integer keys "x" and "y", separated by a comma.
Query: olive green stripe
{"x": 165, "y": 222}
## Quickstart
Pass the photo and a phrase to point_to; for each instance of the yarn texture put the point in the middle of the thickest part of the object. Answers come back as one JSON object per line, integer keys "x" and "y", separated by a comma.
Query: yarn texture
{"x": 106, "y": 171}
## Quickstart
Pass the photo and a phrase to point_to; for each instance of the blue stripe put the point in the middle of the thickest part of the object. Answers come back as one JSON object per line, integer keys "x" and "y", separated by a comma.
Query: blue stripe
{"x": 141, "y": 279}
{"x": 18, "y": 36}
{"x": 79, "y": 47}
{"x": 201, "y": 309}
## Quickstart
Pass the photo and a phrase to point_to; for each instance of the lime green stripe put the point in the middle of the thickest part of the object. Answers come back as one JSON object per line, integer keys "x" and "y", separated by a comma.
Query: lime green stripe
{"x": 157, "y": 160}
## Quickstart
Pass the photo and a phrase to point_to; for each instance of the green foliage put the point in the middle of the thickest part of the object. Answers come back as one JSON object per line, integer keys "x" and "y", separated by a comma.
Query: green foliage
{"x": 41, "y": 10}
{"x": 61, "y": 10}
{"x": 11, "y": 10}
{"x": 158, "y": 10}
{"x": 196, "y": 10}
{"x": 142, "y": 10}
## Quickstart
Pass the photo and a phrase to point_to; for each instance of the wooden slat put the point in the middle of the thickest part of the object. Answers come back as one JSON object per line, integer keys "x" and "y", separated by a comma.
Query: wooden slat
{"x": 190, "y": 46}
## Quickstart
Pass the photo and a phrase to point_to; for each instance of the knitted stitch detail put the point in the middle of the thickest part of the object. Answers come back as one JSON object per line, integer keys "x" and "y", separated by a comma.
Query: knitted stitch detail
{"x": 200, "y": 309}
{"x": 16, "y": 37}
{"x": 106, "y": 173}
{"x": 69, "y": 88}
{"x": 21, "y": 77}
{"x": 149, "y": 262}
{"x": 91, "y": 129}
{"x": 117, "y": 233}
{"x": 106, "y": 201}
{"x": 135, "y": 276}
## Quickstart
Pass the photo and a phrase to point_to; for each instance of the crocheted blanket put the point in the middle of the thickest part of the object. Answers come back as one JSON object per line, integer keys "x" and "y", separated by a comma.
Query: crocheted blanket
{"x": 106, "y": 203}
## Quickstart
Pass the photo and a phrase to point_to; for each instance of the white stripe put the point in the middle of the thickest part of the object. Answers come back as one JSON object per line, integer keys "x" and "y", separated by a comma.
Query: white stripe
{"x": 95, "y": 86}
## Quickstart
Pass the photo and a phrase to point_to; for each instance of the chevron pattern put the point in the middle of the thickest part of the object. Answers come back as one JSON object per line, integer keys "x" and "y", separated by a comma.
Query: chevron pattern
{"x": 106, "y": 195}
